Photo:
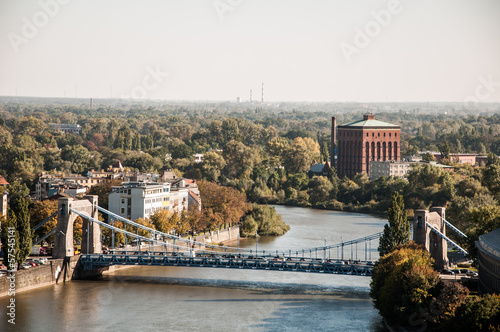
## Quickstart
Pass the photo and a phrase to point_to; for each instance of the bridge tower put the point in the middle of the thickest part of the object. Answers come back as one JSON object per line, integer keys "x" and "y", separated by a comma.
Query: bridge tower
{"x": 423, "y": 234}
{"x": 91, "y": 233}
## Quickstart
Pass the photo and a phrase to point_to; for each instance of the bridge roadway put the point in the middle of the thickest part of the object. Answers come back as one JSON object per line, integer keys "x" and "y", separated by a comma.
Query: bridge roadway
{"x": 226, "y": 260}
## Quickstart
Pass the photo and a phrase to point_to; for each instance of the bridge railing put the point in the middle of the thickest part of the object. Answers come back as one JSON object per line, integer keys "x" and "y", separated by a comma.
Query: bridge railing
{"x": 217, "y": 248}
{"x": 270, "y": 254}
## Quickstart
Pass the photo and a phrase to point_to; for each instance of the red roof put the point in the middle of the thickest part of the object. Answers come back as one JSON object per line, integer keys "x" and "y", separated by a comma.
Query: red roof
{"x": 3, "y": 181}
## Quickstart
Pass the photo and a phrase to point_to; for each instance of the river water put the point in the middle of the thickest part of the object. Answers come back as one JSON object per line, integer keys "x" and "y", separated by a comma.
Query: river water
{"x": 208, "y": 299}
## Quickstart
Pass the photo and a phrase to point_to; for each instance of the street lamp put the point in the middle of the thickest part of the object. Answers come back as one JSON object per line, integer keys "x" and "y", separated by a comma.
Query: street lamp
{"x": 256, "y": 241}
{"x": 342, "y": 250}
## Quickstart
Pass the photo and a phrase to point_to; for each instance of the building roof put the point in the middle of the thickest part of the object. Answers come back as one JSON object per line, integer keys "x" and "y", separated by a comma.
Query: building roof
{"x": 491, "y": 242}
{"x": 317, "y": 168}
{"x": 369, "y": 123}
{"x": 3, "y": 182}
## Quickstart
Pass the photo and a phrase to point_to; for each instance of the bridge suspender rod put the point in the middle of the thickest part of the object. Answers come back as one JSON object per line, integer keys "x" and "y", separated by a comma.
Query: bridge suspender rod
{"x": 454, "y": 228}
{"x": 83, "y": 215}
{"x": 45, "y": 221}
{"x": 446, "y": 238}
{"x": 346, "y": 243}
{"x": 130, "y": 222}
{"x": 45, "y": 236}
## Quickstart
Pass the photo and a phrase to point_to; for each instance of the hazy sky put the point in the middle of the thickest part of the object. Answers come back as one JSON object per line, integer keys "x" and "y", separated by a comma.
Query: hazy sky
{"x": 314, "y": 50}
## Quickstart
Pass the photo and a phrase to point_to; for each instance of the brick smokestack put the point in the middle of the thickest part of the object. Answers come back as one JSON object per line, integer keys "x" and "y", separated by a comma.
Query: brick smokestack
{"x": 333, "y": 155}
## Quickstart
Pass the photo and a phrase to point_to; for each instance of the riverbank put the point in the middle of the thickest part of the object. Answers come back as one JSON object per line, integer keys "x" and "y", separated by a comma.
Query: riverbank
{"x": 56, "y": 271}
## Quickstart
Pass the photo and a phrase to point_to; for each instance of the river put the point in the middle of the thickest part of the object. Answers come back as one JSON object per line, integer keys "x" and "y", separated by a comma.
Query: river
{"x": 207, "y": 299}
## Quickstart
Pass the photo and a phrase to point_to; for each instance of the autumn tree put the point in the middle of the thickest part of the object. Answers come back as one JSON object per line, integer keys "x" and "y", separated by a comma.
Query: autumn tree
{"x": 403, "y": 283}
{"x": 222, "y": 206}
{"x": 398, "y": 230}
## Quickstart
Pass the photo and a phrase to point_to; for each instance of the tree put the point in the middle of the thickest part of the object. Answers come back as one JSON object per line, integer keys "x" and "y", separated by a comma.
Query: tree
{"x": 10, "y": 247}
{"x": 444, "y": 149}
{"x": 222, "y": 206}
{"x": 403, "y": 283}
{"x": 319, "y": 190}
{"x": 481, "y": 220}
{"x": 398, "y": 230}
{"x": 212, "y": 165}
{"x": 265, "y": 220}
{"x": 428, "y": 157}
{"x": 79, "y": 157}
{"x": 19, "y": 202}
{"x": 479, "y": 313}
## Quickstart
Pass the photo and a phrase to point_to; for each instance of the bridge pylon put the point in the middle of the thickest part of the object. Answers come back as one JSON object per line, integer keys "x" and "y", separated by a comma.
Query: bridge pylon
{"x": 423, "y": 234}
{"x": 91, "y": 233}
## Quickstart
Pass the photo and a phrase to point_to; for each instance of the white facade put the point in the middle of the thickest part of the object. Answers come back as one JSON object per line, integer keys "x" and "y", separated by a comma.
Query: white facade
{"x": 134, "y": 200}
{"x": 67, "y": 128}
{"x": 388, "y": 168}
{"x": 179, "y": 199}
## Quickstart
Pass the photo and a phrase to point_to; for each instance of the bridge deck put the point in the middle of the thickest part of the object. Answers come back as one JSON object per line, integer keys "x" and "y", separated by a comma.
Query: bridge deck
{"x": 93, "y": 261}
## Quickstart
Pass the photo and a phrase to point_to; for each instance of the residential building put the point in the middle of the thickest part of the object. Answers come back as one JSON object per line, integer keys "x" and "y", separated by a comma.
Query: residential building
{"x": 134, "y": 200}
{"x": 67, "y": 128}
{"x": 388, "y": 168}
{"x": 460, "y": 158}
{"x": 357, "y": 143}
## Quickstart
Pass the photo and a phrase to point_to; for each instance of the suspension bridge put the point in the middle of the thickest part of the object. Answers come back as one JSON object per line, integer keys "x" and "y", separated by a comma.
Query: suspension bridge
{"x": 150, "y": 247}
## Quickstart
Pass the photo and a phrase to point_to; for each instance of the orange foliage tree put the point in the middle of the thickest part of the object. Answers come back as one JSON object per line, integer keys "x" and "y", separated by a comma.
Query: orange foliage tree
{"x": 221, "y": 206}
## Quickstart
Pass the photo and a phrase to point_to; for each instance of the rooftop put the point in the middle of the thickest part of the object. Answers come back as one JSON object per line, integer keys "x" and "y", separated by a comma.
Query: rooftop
{"x": 491, "y": 242}
{"x": 369, "y": 122}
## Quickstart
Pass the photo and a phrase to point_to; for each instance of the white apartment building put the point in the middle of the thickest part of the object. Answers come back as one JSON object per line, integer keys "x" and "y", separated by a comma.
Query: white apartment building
{"x": 179, "y": 199}
{"x": 388, "y": 168}
{"x": 134, "y": 200}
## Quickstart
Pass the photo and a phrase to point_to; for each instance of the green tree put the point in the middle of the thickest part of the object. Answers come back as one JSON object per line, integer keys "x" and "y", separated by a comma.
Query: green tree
{"x": 479, "y": 313}
{"x": 212, "y": 165}
{"x": 265, "y": 220}
{"x": 428, "y": 157}
{"x": 398, "y": 230}
{"x": 9, "y": 224}
{"x": 444, "y": 149}
{"x": 319, "y": 190}
{"x": 18, "y": 203}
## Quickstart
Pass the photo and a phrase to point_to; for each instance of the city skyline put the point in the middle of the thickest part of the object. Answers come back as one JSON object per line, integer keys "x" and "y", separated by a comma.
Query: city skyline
{"x": 367, "y": 51}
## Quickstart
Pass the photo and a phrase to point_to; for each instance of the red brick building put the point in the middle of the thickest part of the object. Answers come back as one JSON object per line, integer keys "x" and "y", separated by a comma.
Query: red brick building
{"x": 359, "y": 142}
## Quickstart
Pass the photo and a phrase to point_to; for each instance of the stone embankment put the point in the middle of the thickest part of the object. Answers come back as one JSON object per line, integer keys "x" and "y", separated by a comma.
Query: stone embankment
{"x": 56, "y": 271}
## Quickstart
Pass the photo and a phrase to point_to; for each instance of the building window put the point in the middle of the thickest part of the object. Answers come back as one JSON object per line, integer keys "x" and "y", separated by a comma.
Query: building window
{"x": 122, "y": 210}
